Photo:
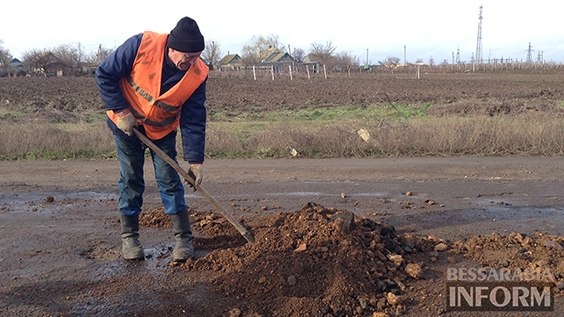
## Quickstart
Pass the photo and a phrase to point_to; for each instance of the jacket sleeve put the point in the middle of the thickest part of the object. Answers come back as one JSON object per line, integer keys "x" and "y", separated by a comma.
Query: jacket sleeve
{"x": 116, "y": 66}
{"x": 193, "y": 125}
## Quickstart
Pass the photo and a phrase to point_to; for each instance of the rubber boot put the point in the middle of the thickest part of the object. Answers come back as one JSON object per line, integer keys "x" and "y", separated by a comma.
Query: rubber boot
{"x": 131, "y": 248}
{"x": 184, "y": 246}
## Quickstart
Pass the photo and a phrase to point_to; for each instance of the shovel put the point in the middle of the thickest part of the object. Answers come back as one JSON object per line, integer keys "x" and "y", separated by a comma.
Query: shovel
{"x": 198, "y": 188}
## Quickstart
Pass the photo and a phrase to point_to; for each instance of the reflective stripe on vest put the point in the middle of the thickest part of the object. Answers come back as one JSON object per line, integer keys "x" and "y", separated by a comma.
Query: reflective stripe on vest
{"x": 157, "y": 103}
{"x": 159, "y": 113}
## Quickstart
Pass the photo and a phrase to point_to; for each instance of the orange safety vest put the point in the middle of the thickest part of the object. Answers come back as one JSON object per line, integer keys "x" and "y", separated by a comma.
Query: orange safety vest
{"x": 159, "y": 114}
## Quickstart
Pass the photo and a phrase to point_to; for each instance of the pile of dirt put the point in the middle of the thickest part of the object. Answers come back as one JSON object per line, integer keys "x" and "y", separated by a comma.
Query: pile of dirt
{"x": 516, "y": 251}
{"x": 321, "y": 261}
{"x": 318, "y": 261}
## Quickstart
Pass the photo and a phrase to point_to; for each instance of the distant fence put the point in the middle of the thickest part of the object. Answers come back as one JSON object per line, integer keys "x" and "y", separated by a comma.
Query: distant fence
{"x": 301, "y": 71}
{"x": 274, "y": 72}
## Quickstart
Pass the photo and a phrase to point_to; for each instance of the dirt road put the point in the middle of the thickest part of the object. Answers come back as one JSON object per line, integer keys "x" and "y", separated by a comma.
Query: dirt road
{"x": 60, "y": 243}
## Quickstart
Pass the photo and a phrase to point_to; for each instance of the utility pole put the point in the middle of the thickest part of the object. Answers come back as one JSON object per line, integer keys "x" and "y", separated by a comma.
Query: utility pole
{"x": 478, "y": 58}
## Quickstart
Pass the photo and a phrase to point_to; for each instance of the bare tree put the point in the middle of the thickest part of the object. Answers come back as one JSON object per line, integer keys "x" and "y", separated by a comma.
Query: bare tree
{"x": 32, "y": 58}
{"x": 298, "y": 54}
{"x": 323, "y": 53}
{"x": 259, "y": 47}
{"x": 344, "y": 61}
{"x": 212, "y": 53}
{"x": 69, "y": 54}
{"x": 99, "y": 56}
{"x": 323, "y": 49}
{"x": 390, "y": 61}
{"x": 5, "y": 56}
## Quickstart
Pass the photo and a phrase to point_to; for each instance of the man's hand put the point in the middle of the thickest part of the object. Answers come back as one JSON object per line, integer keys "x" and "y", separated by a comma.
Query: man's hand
{"x": 126, "y": 121}
{"x": 197, "y": 173}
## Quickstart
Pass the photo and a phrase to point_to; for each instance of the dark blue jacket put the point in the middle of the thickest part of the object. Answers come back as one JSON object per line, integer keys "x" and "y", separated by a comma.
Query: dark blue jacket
{"x": 193, "y": 113}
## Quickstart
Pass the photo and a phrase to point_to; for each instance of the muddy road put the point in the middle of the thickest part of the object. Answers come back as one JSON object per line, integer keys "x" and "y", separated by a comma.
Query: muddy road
{"x": 59, "y": 251}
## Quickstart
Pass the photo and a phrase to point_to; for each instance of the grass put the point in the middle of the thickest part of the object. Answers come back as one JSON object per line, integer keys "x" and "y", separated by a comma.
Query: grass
{"x": 394, "y": 130}
{"x": 34, "y": 141}
{"x": 10, "y": 115}
{"x": 327, "y": 114}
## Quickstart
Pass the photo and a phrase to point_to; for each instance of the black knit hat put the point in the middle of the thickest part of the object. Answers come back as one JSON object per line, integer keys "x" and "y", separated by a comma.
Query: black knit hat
{"x": 186, "y": 37}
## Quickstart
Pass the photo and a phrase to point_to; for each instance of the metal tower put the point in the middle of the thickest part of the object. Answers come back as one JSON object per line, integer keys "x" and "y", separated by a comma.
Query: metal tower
{"x": 479, "y": 42}
{"x": 540, "y": 57}
{"x": 530, "y": 53}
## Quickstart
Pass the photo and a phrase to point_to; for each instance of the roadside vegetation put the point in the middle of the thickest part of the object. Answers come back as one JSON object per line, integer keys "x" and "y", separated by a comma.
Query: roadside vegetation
{"x": 374, "y": 131}
{"x": 482, "y": 114}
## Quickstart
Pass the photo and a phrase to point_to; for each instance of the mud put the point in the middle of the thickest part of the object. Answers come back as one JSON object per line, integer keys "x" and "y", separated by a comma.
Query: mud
{"x": 339, "y": 237}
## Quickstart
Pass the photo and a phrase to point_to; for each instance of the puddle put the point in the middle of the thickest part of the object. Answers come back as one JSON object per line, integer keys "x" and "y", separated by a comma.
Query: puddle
{"x": 370, "y": 195}
{"x": 298, "y": 194}
{"x": 156, "y": 260}
{"x": 58, "y": 196}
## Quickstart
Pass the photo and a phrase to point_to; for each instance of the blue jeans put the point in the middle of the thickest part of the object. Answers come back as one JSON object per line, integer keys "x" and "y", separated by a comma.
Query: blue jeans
{"x": 131, "y": 184}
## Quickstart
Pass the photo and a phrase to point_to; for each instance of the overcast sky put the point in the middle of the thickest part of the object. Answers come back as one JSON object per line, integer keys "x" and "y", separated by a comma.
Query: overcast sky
{"x": 370, "y": 30}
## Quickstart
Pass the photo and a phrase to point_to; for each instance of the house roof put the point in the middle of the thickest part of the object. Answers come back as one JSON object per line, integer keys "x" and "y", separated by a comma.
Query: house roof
{"x": 277, "y": 56}
{"x": 16, "y": 65}
{"x": 49, "y": 58}
{"x": 229, "y": 59}
{"x": 311, "y": 59}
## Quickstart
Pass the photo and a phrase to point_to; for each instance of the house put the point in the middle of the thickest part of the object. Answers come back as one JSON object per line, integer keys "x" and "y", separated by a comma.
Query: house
{"x": 231, "y": 62}
{"x": 277, "y": 61}
{"x": 277, "y": 58}
{"x": 88, "y": 68}
{"x": 50, "y": 65}
{"x": 313, "y": 62}
{"x": 15, "y": 68}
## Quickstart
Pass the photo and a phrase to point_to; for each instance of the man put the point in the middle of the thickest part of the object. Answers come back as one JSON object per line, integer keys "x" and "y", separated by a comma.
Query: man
{"x": 156, "y": 83}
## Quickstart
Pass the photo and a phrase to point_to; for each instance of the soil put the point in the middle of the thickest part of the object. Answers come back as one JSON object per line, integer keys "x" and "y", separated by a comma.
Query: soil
{"x": 337, "y": 237}
{"x": 75, "y": 99}
{"x": 334, "y": 237}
